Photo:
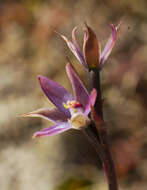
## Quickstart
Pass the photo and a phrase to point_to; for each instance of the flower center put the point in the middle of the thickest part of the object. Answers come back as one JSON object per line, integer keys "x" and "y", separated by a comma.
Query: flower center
{"x": 72, "y": 104}
{"x": 79, "y": 120}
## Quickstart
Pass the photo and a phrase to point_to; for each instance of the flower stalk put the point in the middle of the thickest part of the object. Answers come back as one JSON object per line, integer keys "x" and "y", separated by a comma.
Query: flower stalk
{"x": 91, "y": 46}
{"x": 97, "y": 114}
{"x": 95, "y": 80}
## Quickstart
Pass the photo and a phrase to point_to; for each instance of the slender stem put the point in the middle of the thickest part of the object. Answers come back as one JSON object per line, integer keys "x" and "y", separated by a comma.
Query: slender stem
{"x": 94, "y": 82}
{"x": 108, "y": 164}
{"x": 92, "y": 136}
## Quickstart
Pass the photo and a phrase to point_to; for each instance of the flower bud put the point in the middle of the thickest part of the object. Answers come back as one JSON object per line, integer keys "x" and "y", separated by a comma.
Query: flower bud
{"x": 91, "y": 48}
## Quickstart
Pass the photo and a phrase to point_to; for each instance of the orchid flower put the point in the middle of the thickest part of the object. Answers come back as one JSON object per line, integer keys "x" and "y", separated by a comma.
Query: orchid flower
{"x": 91, "y": 56}
{"x": 70, "y": 112}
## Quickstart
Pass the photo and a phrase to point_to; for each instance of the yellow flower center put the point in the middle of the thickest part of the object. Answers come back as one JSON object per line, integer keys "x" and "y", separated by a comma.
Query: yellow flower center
{"x": 72, "y": 104}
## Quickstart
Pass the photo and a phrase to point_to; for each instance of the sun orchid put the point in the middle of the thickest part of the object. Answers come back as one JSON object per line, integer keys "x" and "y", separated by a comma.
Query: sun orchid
{"x": 70, "y": 112}
{"x": 91, "y": 57}
{"x": 83, "y": 111}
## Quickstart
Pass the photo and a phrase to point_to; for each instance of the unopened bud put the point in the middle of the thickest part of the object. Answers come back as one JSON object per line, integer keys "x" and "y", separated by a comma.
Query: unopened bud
{"x": 91, "y": 48}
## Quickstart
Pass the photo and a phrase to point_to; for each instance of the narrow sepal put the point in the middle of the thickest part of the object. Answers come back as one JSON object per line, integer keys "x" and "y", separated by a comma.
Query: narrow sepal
{"x": 74, "y": 47}
{"x": 53, "y": 130}
{"x": 53, "y": 115}
{"x": 55, "y": 93}
{"x": 91, "y": 101}
{"x": 80, "y": 92}
{"x": 109, "y": 45}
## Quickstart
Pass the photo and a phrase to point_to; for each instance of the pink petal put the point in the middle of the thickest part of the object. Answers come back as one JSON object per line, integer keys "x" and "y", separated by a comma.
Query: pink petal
{"x": 80, "y": 53}
{"x": 91, "y": 101}
{"x": 74, "y": 47}
{"x": 56, "y": 94}
{"x": 109, "y": 45}
{"x": 74, "y": 39}
{"x": 53, "y": 130}
{"x": 80, "y": 92}
{"x": 53, "y": 115}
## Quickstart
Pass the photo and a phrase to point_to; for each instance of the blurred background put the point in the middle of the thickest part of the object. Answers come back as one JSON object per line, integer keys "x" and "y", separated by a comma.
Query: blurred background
{"x": 28, "y": 47}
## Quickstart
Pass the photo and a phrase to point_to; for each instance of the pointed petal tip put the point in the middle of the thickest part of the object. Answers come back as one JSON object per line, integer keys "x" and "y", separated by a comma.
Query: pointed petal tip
{"x": 88, "y": 28}
{"x": 30, "y": 114}
{"x": 63, "y": 37}
{"x": 116, "y": 27}
{"x": 59, "y": 34}
{"x": 43, "y": 80}
{"x": 40, "y": 77}
{"x": 37, "y": 135}
{"x": 109, "y": 45}
{"x": 91, "y": 101}
{"x": 20, "y": 115}
{"x": 112, "y": 25}
{"x": 85, "y": 29}
{"x": 68, "y": 66}
{"x": 114, "y": 30}
{"x": 94, "y": 93}
{"x": 24, "y": 115}
{"x": 93, "y": 96}
{"x": 74, "y": 29}
{"x": 119, "y": 25}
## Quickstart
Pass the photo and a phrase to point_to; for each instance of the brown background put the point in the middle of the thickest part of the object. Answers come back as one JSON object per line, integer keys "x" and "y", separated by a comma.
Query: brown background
{"x": 28, "y": 47}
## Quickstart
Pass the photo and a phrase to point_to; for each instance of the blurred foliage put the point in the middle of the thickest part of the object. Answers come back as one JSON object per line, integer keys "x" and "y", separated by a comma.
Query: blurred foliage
{"x": 75, "y": 184}
{"x": 28, "y": 47}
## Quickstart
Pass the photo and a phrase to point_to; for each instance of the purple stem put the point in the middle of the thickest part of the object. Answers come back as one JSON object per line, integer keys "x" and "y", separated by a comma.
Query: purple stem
{"x": 108, "y": 164}
{"x": 94, "y": 82}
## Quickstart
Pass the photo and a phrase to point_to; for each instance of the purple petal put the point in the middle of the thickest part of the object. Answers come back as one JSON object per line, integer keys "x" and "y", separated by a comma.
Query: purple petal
{"x": 56, "y": 94}
{"x": 80, "y": 53}
{"x": 53, "y": 115}
{"x": 74, "y": 39}
{"x": 53, "y": 130}
{"x": 76, "y": 51}
{"x": 80, "y": 92}
{"x": 91, "y": 101}
{"x": 109, "y": 46}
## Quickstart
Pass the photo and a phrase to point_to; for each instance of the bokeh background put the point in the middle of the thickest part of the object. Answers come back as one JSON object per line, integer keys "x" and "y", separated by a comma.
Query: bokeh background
{"x": 28, "y": 47}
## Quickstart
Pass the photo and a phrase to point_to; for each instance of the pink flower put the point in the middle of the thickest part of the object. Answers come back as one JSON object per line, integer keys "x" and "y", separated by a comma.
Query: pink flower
{"x": 91, "y": 56}
{"x": 70, "y": 112}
